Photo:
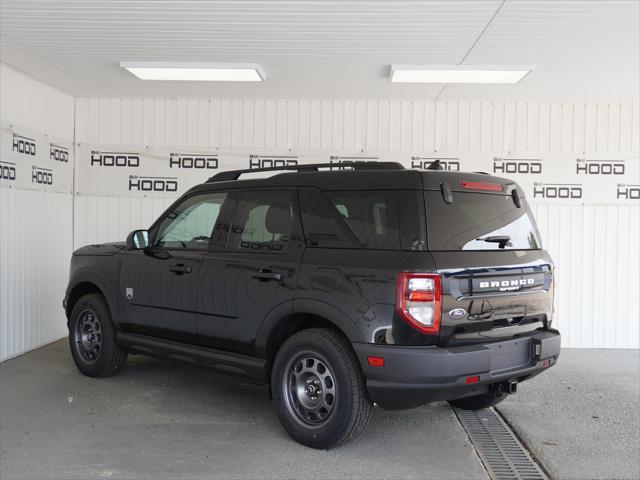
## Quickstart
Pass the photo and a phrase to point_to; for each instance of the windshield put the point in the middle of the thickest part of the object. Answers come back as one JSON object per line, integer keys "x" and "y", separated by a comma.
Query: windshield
{"x": 479, "y": 221}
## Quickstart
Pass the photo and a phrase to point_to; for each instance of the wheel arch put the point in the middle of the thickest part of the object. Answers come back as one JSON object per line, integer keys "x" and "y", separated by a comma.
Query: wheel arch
{"x": 282, "y": 323}
{"x": 85, "y": 286}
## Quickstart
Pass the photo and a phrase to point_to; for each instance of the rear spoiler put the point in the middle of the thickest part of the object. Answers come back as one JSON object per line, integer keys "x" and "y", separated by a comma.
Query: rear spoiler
{"x": 447, "y": 193}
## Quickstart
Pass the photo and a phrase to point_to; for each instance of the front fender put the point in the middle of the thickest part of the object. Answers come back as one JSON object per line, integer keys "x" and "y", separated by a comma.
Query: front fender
{"x": 103, "y": 277}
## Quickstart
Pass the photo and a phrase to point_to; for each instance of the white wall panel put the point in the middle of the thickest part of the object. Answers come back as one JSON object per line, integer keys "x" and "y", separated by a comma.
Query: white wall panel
{"x": 35, "y": 105}
{"x": 595, "y": 249}
{"x": 593, "y": 245}
{"x": 35, "y": 226}
{"x": 34, "y": 264}
{"x": 355, "y": 125}
{"x": 107, "y": 218}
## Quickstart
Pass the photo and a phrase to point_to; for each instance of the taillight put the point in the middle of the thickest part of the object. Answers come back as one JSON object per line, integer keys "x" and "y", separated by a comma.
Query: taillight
{"x": 418, "y": 300}
{"x": 553, "y": 297}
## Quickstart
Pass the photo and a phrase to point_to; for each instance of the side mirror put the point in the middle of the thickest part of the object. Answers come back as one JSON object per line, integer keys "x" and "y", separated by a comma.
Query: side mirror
{"x": 138, "y": 240}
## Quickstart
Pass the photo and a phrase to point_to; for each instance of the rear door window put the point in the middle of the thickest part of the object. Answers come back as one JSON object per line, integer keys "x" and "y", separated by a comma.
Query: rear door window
{"x": 479, "y": 221}
{"x": 263, "y": 221}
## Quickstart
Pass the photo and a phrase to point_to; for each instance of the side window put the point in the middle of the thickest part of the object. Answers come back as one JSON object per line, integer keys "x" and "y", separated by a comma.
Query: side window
{"x": 351, "y": 219}
{"x": 324, "y": 223}
{"x": 262, "y": 222}
{"x": 190, "y": 224}
{"x": 372, "y": 215}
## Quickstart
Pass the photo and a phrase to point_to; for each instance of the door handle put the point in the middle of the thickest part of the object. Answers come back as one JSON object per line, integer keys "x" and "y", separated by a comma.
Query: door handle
{"x": 267, "y": 275}
{"x": 180, "y": 269}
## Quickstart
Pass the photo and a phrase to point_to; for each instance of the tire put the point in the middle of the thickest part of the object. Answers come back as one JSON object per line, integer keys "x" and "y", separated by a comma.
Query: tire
{"x": 92, "y": 338}
{"x": 316, "y": 370}
{"x": 479, "y": 402}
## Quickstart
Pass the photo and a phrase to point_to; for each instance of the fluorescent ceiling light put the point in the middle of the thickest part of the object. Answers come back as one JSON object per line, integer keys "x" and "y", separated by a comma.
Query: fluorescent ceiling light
{"x": 199, "y": 72}
{"x": 458, "y": 73}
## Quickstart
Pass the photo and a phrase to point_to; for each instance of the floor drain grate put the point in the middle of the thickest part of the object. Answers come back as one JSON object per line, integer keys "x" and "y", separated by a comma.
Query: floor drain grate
{"x": 502, "y": 454}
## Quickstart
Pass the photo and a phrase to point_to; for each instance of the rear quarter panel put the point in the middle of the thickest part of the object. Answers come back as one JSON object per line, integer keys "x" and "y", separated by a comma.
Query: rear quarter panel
{"x": 361, "y": 284}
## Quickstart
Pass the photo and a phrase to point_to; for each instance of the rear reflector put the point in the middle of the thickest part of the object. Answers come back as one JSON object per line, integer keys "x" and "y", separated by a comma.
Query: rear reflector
{"x": 375, "y": 361}
{"x": 418, "y": 300}
{"x": 472, "y": 379}
{"x": 492, "y": 187}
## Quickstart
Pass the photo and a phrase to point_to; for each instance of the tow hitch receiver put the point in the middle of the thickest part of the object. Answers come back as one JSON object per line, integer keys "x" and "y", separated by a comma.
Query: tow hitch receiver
{"x": 505, "y": 387}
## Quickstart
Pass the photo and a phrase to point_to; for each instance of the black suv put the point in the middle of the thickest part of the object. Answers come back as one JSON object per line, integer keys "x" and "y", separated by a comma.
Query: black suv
{"x": 364, "y": 284}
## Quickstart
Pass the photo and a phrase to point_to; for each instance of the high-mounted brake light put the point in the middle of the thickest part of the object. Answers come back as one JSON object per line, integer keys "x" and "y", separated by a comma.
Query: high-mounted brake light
{"x": 418, "y": 300}
{"x": 492, "y": 187}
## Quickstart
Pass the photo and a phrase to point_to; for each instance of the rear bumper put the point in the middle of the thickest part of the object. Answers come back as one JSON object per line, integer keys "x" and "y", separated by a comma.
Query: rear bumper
{"x": 412, "y": 376}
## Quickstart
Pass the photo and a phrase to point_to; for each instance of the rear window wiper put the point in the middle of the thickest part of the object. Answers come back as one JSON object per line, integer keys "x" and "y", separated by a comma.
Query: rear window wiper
{"x": 501, "y": 240}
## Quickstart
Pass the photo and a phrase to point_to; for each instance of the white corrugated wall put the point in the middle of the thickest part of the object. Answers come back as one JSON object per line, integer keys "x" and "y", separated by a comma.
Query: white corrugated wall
{"x": 344, "y": 125}
{"x": 595, "y": 246}
{"x": 35, "y": 226}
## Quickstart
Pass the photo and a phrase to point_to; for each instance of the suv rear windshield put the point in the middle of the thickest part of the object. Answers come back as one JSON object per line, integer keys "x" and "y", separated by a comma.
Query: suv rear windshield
{"x": 479, "y": 221}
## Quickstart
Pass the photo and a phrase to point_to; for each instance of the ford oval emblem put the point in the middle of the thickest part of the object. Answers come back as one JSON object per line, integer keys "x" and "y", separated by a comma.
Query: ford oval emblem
{"x": 457, "y": 313}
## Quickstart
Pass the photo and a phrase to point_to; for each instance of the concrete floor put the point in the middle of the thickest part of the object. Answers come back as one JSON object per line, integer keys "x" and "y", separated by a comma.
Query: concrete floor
{"x": 581, "y": 419}
{"x": 159, "y": 419}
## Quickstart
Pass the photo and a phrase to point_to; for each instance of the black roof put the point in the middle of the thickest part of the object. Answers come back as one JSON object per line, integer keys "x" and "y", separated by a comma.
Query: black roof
{"x": 386, "y": 175}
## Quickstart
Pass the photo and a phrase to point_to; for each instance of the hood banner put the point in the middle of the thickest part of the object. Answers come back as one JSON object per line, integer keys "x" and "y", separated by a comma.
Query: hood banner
{"x": 30, "y": 160}
{"x": 545, "y": 178}
{"x": 34, "y": 161}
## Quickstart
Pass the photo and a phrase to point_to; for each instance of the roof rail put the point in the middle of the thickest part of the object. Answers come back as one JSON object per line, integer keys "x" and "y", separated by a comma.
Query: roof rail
{"x": 311, "y": 167}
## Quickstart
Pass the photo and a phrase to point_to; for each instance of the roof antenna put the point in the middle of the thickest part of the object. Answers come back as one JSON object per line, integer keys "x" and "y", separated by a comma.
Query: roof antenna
{"x": 435, "y": 166}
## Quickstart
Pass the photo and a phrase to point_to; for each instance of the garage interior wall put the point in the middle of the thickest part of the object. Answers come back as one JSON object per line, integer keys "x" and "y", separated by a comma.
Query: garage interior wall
{"x": 593, "y": 245}
{"x": 36, "y": 227}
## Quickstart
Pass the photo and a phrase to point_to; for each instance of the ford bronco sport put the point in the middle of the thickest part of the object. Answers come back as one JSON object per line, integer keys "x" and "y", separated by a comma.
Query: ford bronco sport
{"x": 364, "y": 284}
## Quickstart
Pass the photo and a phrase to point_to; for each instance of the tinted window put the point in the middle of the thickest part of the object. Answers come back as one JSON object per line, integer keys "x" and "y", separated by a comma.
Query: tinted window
{"x": 262, "y": 222}
{"x": 351, "y": 219}
{"x": 473, "y": 218}
{"x": 190, "y": 224}
{"x": 323, "y": 224}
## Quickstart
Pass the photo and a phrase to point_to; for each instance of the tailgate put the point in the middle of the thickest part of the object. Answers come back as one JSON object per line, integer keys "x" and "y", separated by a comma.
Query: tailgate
{"x": 492, "y": 296}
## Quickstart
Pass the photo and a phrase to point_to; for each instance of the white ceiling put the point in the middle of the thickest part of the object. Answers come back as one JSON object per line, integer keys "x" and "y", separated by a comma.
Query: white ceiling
{"x": 309, "y": 48}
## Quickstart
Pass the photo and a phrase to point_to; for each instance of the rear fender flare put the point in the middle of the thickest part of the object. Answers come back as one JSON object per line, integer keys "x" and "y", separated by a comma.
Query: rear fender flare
{"x": 305, "y": 306}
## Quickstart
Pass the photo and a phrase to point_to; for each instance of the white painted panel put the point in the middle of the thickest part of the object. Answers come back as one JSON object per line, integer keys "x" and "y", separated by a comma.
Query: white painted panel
{"x": 110, "y": 219}
{"x": 36, "y": 226}
{"x": 25, "y": 102}
{"x": 35, "y": 248}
